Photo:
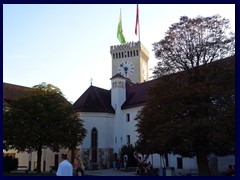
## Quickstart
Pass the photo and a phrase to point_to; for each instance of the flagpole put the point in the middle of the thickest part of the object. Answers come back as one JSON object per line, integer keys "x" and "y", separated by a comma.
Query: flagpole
{"x": 138, "y": 25}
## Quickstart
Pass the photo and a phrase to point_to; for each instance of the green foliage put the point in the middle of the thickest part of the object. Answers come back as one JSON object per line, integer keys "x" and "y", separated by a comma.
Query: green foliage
{"x": 9, "y": 163}
{"x": 191, "y": 118}
{"x": 44, "y": 87}
{"x": 44, "y": 118}
{"x": 195, "y": 109}
{"x": 128, "y": 150}
{"x": 192, "y": 42}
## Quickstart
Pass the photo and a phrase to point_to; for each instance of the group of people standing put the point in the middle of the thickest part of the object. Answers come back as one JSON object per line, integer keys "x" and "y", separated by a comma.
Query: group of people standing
{"x": 144, "y": 168}
{"x": 117, "y": 164}
{"x": 65, "y": 168}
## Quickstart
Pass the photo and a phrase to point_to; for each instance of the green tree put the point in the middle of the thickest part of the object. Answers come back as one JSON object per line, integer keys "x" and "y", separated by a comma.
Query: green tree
{"x": 193, "y": 42}
{"x": 190, "y": 102}
{"x": 191, "y": 119}
{"x": 44, "y": 118}
{"x": 128, "y": 150}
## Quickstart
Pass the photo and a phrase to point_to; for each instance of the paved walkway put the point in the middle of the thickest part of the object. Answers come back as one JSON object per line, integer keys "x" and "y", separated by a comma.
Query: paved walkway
{"x": 110, "y": 172}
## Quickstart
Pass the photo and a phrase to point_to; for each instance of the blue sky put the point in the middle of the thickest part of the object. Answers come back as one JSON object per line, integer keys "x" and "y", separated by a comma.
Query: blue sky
{"x": 66, "y": 45}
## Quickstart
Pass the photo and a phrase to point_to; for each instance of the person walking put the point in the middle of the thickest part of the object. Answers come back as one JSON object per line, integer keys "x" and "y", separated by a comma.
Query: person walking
{"x": 65, "y": 168}
{"x": 79, "y": 168}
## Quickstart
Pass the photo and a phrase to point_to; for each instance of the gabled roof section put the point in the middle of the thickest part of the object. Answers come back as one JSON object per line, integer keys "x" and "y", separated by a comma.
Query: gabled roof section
{"x": 12, "y": 91}
{"x": 136, "y": 94}
{"x": 94, "y": 99}
{"x": 118, "y": 76}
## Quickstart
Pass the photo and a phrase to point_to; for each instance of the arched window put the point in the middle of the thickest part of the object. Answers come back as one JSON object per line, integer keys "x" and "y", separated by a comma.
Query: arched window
{"x": 116, "y": 55}
{"x": 113, "y": 55}
{"x": 94, "y": 145}
{"x": 119, "y": 55}
{"x": 137, "y": 52}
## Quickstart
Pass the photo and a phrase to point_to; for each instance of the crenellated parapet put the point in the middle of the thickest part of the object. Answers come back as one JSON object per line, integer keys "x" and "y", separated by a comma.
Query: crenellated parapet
{"x": 126, "y": 46}
{"x": 130, "y": 49}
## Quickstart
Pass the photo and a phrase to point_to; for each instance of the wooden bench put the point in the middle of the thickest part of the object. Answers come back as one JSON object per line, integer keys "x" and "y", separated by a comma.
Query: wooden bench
{"x": 22, "y": 168}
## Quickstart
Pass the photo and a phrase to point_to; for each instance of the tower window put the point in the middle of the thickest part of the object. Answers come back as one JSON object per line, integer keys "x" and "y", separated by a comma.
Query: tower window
{"x": 128, "y": 54}
{"x": 116, "y": 55}
{"x": 134, "y": 53}
{"x": 128, "y": 117}
{"x": 122, "y": 55}
{"x": 119, "y": 55}
{"x": 131, "y": 53}
{"x": 137, "y": 52}
{"x": 113, "y": 55}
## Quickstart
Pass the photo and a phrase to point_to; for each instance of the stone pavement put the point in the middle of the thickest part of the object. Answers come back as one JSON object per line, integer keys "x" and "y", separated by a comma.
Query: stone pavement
{"x": 109, "y": 172}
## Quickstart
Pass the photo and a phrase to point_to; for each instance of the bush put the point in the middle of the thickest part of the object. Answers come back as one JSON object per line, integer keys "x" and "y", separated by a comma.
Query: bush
{"x": 128, "y": 150}
{"x": 10, "y": 163}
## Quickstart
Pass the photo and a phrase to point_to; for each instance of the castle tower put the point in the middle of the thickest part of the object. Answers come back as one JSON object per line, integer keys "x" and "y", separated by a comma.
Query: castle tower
{"x": 131, "y": 61}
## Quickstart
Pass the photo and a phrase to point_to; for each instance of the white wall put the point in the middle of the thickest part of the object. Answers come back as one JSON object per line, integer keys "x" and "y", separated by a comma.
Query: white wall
{"x": 103, "y": 122}
{"x": 129, "y": 128}
{"x": 224, "y": 162}
{"x": 48, "y": 156}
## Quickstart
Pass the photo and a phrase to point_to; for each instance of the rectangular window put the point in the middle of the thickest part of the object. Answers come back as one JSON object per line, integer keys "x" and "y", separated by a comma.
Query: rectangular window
{"x": 179, "y": 163}
{"x": 128, "y": 139}
{"x": 128, "y": 117}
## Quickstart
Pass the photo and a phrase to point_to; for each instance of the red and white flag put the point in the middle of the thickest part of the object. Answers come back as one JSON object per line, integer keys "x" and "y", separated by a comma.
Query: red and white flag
{"x": 137, "y": 21}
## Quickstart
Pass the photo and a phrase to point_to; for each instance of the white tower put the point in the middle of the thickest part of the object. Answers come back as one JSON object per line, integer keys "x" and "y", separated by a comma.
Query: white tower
{"x": 118, "y": 91}
{"x": 131, "y": 61}
{"x": 118, "y": 97}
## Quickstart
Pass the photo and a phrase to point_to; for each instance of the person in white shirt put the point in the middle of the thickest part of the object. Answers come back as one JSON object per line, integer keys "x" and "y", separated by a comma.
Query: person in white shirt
{"x": 65, "y": 168}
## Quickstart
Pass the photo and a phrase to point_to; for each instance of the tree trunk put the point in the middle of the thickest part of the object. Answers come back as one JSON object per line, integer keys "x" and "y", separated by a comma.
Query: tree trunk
{"x": 39, "y": 157}
{"x": 166, "y": 159}
{"x": 202, "y": 162}
{"x": 72, "y": 154}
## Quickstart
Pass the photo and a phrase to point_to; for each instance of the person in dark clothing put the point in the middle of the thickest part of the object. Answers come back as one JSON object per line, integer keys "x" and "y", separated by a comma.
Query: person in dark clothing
{"x": 79, "y": 168}
{"x": 230, "y": 170}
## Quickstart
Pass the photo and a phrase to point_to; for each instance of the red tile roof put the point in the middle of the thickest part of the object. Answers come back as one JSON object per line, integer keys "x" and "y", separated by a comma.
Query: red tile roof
{"x": 11, "y": 91}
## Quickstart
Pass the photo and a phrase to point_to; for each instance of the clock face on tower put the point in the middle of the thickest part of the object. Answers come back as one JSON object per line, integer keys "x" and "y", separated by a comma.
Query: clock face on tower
{"x": 126, "y": 69}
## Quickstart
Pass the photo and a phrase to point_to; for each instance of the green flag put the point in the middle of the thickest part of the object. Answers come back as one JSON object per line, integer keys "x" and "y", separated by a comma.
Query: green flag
{"x": 120, "y": 31}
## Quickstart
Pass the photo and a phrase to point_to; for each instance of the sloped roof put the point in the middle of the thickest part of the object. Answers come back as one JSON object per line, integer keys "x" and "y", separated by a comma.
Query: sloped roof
{"x": 136, "y": 94}
{"x": 118, "y": 76}
{"x": 94, "y": 99}
{"x": 12, "y": 91}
